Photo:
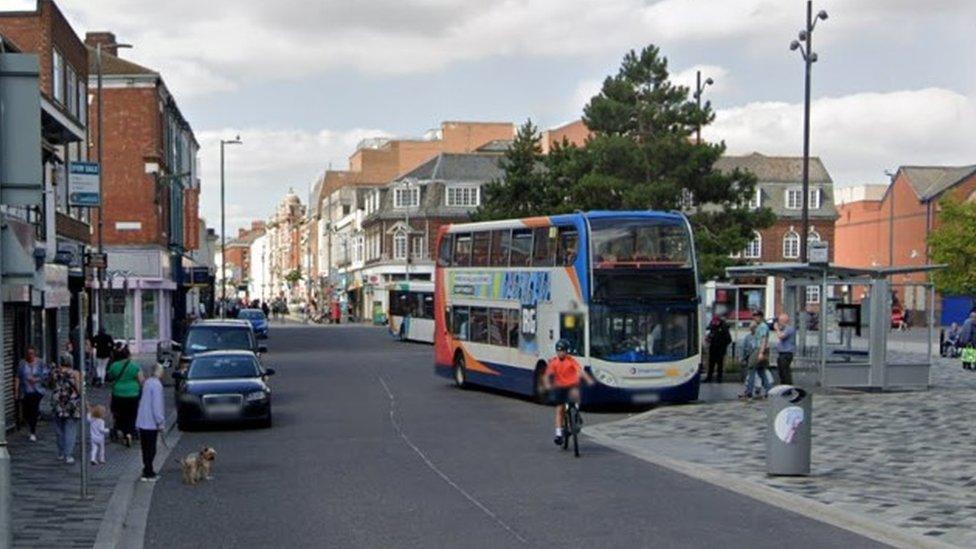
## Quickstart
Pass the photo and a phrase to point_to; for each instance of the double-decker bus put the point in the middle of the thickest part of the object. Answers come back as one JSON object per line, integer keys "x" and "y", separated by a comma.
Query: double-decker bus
{"x": 411, "y": 311}
{"x": 621, "y": 287}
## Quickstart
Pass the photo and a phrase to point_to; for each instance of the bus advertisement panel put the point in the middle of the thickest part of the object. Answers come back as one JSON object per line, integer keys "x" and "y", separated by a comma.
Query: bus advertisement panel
{"x": 621, "y": 287}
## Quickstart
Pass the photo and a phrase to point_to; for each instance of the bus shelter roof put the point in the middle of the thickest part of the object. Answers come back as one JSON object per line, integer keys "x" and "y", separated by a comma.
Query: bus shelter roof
{"x": 806, "y": 270}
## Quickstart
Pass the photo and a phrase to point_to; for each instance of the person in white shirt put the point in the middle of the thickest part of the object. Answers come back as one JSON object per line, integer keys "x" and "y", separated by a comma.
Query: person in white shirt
{"x": 97, "y": 431}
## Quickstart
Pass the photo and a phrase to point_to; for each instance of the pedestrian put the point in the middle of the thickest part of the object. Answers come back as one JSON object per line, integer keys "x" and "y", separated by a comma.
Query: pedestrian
{"x": 126, "y": 378}
{"x": 758, "y": 359}
{"x": 950, "y": 344}
{"x": 967, "y": 341}
{"x": 718, "y": 339}
{"x": 785, "y": 348}
{"x": 104, "y": 344}
{"x": 265, "y": 309}
{"x": 66, "y": 405}
{"x": 150, "y": 420}
{"x": 29, "y": 385}
{"x": 97, "y": 432}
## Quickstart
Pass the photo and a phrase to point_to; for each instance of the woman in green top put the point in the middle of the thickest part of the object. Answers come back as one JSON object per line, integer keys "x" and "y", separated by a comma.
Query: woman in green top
{"x": 125, "y": 375}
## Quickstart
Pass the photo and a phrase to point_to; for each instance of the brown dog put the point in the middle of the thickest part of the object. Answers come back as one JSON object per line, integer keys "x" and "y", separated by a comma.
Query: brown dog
{"x": 197, "y": 466}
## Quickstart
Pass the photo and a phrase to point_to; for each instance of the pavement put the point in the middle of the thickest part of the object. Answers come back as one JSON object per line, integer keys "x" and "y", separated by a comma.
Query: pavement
{"x": 901, "y": 460}
{"x": 370, "y": 449}
{"x": 48, "y": 510}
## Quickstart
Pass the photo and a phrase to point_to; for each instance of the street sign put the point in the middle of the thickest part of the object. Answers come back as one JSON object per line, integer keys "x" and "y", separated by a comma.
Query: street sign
{"x": 96, "y": 260}
{"x": 83, "y": 184}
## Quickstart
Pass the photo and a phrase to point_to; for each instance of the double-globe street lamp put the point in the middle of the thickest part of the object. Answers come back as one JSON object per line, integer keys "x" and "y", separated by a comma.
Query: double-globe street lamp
{"x": 809, "y": 58}
{"x": 223, "y": 228}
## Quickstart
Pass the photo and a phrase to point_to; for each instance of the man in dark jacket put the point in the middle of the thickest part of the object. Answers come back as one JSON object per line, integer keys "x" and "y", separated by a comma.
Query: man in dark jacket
{"x": 718, "y": 339}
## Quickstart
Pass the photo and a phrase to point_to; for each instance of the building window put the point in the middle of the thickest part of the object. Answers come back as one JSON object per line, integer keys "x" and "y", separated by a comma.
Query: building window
{"x": 406, "y": 198}
{"x": 814, "y": 199}
{"x": 813, "y": 236}
{"x": 150, "y": 320}
{"x": 791, "y": 245}
{"x": 464, "y": 196}
{"x": 754, "y": 248}
{"x": 794, "y": 199}
{"x": 756, "y": 201}
{"x": 417, "y": 247}
{"x": 687, "y": 199}
{"x": 359, "y": 249}
{"x": 400, "y": 245}
{"x": 70, "y": 92}
{"x": 813, "y": 294}
{"x": 57, "y": 76}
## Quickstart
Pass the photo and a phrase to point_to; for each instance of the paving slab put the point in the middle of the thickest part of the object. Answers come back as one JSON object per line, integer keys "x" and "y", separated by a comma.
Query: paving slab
{"x": 903, "y": 459}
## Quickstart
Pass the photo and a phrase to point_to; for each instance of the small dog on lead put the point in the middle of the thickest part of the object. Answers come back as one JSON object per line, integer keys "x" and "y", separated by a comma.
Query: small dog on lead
{"x": 197, "y": 466}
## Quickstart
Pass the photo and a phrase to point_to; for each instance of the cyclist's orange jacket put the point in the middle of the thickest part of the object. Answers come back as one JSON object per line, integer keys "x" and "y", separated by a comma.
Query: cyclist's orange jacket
{"x": 565, "y": 372}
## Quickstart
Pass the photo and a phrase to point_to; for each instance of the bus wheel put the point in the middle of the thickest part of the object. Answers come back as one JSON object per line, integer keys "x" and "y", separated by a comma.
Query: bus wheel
{"x": 460, "y": 374}
{"x": 538, "y": 387}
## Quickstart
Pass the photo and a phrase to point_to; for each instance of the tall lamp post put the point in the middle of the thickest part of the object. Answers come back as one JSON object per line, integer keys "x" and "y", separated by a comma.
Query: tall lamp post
{"x": 809, "y": 58}
{"x": 101, "y": 176}
{"x": 699, "y": 88}
{"x": 223, "y": 228}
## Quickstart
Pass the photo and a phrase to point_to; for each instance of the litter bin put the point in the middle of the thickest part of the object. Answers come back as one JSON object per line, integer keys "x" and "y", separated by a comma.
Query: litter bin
{"x": 788, "y": 418}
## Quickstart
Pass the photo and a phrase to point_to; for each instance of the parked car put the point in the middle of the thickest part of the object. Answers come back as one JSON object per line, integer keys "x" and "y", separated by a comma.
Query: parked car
{"x": 259, "y": 322}
{"x": 209, "y": 335}
{"x": 223, "y": 387}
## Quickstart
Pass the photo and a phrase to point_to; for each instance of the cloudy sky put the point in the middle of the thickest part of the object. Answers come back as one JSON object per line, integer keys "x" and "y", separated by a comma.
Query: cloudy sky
{"x": 303, "y": 80}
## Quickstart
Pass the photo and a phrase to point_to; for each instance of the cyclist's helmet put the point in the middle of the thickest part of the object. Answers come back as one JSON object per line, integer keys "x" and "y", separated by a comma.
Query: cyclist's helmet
{"x": 562, "y": 345}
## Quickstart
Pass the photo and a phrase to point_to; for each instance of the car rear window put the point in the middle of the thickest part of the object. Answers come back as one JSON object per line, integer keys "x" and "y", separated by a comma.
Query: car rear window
{"x": 218, "y": 338}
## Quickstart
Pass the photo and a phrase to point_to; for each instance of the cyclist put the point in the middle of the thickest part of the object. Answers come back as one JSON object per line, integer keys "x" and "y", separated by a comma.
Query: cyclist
{"x": 562, "y": 381}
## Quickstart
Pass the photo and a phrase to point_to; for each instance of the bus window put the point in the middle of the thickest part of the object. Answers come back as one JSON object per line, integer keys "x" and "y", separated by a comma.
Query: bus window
{"x": 571, "y": 329}
{"x": 498, "y": 327}
{"x": 543, "y": 253}
{"x": 501, "y": 244}
{"x": 479, "y": 325}
{"x": 459, "y": 322}
{"x": 462, "y": 250}
{"x": 480, "y": 249}
{"x": 521, "y": 255}
{"x": 444, "y": 255}
{"x": 428, "y": 304}
{"x": 568, "y": 246}
{"x": 513, "y": 327}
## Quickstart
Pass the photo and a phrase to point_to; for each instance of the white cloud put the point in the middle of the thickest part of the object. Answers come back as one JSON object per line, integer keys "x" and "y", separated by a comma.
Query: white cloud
{"x": 270, "y": 161}
{"x": 205, "y": 47}
{"x": 687, "y": 78}
{"x": 858, "y": 136}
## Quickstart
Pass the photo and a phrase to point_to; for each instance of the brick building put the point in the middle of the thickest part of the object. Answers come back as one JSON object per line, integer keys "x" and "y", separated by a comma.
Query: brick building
{"x": 239, "y": 258}
{"x": 41, "y": 49}
{"x": 284, "y": 248}
{"x": 908, "y": 210}
{"x": 151, "y": 192}
{"x": 403, "y": 217}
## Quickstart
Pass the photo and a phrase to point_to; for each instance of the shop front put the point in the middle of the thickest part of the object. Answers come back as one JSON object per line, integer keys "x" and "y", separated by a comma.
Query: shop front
{"x": 138, "y": 310}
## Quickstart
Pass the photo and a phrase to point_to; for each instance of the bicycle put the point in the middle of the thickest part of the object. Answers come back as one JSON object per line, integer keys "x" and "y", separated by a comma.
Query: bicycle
{"x": 572, "y": 425}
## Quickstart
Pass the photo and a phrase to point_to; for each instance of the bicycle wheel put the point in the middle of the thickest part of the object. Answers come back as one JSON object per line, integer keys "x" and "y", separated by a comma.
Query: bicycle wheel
{"x": 567, "y": 431}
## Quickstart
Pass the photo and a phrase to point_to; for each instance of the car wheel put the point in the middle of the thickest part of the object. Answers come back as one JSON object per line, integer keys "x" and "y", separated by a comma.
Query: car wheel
{"x": 460, "y": 374}
{"x": 266, "y": 422}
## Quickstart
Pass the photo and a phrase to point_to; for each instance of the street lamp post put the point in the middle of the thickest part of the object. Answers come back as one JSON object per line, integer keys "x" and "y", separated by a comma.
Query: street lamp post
{"x": 101, "y": 176}
{"x": 699, "y": 88}
{"x": 809, "y": 58}
{"x": 223, "y": 228}
{"x": 406, "y": 184}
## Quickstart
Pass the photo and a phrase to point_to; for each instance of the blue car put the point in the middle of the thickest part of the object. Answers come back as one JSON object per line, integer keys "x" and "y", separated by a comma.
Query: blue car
{"x": 259, "y": 322}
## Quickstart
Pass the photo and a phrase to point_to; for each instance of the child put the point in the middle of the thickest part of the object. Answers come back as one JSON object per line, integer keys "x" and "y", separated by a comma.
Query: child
{"x": 96, "y": 423}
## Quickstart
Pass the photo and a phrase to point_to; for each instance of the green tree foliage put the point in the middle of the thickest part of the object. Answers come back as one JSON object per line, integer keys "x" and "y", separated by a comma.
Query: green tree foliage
{"x": 293, "y": 276}
{"x": 952, "y": 243}
{"x": 642, "y": 155}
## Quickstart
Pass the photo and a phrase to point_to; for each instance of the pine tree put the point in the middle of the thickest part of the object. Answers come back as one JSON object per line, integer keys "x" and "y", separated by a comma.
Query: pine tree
{"x": 523, "y": 191}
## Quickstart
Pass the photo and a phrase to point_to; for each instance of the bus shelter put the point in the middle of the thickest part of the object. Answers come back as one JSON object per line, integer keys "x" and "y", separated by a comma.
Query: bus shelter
{"x": 842, "y": 340}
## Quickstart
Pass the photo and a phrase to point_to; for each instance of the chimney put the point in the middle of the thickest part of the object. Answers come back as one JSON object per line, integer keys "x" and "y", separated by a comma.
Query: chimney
{"x": 106, "y": 39}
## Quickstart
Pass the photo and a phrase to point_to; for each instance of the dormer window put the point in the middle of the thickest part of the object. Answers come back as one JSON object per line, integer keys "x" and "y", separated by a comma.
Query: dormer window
{"x": 468, "y": 196}
{"x": 408, "y": 197}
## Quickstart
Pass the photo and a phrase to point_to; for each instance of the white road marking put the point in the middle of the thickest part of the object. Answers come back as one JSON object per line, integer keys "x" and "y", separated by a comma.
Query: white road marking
{"x": 438, "y": 472}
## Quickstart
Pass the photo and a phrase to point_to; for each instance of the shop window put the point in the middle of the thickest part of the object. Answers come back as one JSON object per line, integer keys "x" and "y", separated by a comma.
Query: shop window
{"x": 150, "y": 315}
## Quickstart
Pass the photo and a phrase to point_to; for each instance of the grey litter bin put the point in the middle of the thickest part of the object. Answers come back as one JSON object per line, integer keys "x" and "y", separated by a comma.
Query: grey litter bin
{"x": 788, "y": 418}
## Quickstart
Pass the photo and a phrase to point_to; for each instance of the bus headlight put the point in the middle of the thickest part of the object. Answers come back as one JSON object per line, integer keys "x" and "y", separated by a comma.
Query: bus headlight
{"x": 604, "y": 377}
